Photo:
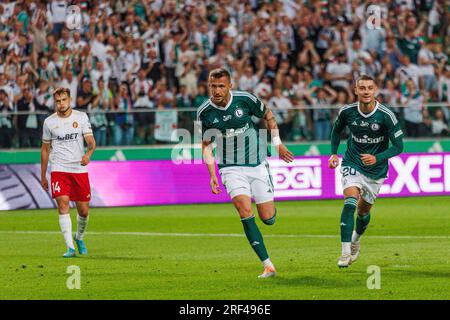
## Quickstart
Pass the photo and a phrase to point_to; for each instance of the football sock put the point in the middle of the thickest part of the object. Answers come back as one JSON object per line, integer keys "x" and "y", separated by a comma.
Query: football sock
{"x": 271, "y": 221}
{"x": 66, "y": 228}
{"x": 254, "y": 237}
{"x": 361, "y": 225}
{"x": 268, "y": 263}
{"x": 346, "y": 248}
{"x": 82, "y": 224}
{"x": 347, "y": 223}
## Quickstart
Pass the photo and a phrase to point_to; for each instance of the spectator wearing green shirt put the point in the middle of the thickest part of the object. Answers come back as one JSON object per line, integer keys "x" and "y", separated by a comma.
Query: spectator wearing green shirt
{"x": 408, "y": 41}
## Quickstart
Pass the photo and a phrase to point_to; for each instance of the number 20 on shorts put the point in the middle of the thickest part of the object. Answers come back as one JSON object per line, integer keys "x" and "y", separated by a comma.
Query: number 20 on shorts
{"x": 348, "y": 170}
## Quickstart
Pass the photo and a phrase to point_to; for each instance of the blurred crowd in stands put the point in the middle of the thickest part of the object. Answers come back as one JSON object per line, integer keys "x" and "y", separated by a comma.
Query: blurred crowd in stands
{"x": 299, "y": 56}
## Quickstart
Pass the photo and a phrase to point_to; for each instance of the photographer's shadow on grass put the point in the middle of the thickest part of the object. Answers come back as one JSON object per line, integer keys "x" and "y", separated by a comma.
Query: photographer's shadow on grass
{"x": 421, "y": 274}
{"x": 118, "y": 258}
{"x": 308, "y": 281}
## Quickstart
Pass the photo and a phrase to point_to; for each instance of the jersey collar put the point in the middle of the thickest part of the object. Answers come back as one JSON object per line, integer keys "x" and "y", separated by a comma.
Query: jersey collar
{"x": 367, "y": 115}
{"x": 70, "y": 115}
{"x": 226, "y": 107}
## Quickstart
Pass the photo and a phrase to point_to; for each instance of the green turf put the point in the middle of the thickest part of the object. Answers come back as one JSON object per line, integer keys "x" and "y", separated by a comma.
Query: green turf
{"x": 130, "y": 266}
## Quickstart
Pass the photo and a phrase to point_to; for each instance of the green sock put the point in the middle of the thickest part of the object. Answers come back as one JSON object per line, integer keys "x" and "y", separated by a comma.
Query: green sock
{"x": 254, "y": 237}
{"x": 361, "y": 223}
{"x": 271, "y": 221}
{"x": 347, "y": 219}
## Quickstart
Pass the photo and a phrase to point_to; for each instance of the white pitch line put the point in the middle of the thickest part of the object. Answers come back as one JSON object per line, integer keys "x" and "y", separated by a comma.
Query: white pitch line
{"x": 163, "y": 234}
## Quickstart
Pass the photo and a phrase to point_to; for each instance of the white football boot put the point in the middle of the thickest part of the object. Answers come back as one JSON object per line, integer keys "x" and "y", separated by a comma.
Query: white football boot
{"x": 354, "y": 253}
{"x": 268, "y": 272}
{"x": 344, "y": 261}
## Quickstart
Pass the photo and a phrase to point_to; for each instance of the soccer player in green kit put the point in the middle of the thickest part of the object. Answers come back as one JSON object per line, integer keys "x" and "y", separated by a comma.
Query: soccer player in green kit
{"x": 365, "y": 163}
{"x": 241, "y": 150}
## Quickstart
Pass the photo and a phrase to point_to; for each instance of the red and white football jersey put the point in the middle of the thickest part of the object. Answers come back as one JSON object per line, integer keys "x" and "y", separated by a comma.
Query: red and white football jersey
{"x": 67, "y": 138}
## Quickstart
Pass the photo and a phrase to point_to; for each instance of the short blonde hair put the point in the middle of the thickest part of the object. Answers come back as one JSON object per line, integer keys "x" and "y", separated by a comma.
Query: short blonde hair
{"x": 60, "y": 91}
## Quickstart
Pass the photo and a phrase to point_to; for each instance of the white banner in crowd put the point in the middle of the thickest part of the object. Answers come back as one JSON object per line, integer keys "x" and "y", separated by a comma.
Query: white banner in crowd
{"x": 165, "y": 123}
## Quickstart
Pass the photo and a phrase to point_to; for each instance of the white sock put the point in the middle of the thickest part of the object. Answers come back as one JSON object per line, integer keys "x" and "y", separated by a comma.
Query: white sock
{"x": 355, "y": 236}
{"x": 81, "y": 226}
{"x": 268, "y": 263}
{"x": 66, "y": 228}
{"x": 346, "y": 248}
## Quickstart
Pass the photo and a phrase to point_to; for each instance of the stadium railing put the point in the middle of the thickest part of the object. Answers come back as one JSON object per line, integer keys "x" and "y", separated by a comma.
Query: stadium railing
{"x": 151, "y": 126}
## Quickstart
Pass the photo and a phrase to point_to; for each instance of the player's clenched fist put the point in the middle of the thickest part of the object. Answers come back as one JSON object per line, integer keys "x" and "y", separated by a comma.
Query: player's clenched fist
{"x": 85, "y": 160}
{"x": 333, "y": 162}
{"x": 215, "y": 185}
{"x": 368, "y": 159}
{"x": 44, "y": 183}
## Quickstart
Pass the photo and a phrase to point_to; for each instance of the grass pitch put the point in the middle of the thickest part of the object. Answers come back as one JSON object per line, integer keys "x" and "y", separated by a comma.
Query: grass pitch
{"x": 200, "y": 252}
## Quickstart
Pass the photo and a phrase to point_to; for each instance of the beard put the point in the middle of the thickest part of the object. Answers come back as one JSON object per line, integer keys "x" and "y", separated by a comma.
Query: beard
{"x": 64, "y": 110}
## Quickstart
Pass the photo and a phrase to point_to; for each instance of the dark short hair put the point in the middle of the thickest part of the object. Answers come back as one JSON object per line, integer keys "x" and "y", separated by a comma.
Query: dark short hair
{"x": 219, "y": 73}
{"x": 365, "y": 77}
{"x": 60, "y": 91}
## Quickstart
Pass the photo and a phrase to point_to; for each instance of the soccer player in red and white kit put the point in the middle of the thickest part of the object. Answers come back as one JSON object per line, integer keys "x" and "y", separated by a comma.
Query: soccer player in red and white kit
{"x": 63, "y": 138}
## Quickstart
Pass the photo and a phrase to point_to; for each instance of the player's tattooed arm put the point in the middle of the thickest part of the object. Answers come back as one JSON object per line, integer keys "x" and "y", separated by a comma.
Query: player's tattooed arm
{"x": 207, "y": 152}
{"x": 272, "y": 126}
{"x": 90, "y": 141}
{"x": 271, "y": 122}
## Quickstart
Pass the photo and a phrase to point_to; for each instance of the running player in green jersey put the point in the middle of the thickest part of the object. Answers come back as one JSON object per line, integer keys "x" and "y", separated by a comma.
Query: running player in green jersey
{"x": 365, "y": 163}
{"x": 241, "y": 150}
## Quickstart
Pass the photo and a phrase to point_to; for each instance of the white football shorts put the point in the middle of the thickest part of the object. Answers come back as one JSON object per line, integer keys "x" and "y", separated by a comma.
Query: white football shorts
{"x": 369, "y": 187}
{"x": 254, "y": 182}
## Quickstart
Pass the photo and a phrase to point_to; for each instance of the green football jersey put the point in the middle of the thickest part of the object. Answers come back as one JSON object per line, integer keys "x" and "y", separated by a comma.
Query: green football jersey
{"x": 369, "y": 134}
{"x": 238, "y": 141}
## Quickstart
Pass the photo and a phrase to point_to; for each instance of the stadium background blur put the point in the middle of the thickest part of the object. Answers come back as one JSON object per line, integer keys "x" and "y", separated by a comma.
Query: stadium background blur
{"x": 300, "y": 57}
{"x": 139, "y": 68}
